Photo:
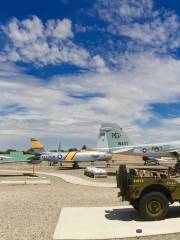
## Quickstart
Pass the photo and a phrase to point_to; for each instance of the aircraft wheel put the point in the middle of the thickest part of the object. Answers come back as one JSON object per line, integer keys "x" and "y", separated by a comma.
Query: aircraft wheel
{"x": 75, "y": 166}
{"x": 108, "y": 165}
{"x": 153, "y": 206}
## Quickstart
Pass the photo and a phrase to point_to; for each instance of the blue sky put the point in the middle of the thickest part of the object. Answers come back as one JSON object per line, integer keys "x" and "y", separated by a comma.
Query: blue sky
{"x": 66, "y": 66}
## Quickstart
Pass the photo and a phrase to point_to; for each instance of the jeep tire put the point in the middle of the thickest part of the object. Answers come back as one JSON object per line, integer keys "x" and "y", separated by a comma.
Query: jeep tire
{"x": 135, "y": 204}
{"x": 123, "y": 179}
{"x": 153, "y": 206}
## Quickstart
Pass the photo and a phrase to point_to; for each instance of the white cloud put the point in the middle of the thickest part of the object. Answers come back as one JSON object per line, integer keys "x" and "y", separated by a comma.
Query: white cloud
{"x": 49, "y": 110}
{"x": 124, "y": 10}
{"x": 145, "y": 26}
{"x": 158, "y": 33}
{"x": 24, "y": 32}
{"x": 33, "y": 41}
{"x": 135, "y": 9}
{"x": 59, "y": 29}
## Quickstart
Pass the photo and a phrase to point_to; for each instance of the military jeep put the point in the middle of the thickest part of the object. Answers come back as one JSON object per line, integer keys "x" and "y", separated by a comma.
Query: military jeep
{"x": 149, "y": 190}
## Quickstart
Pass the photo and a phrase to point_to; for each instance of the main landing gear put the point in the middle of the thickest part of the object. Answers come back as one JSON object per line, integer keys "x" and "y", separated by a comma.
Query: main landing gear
{"x": 108, "y": 164}
{"x": 75, "y": 165}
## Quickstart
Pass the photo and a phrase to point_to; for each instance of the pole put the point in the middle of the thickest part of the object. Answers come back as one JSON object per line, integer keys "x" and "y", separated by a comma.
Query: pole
{"x": 33, "y": 169}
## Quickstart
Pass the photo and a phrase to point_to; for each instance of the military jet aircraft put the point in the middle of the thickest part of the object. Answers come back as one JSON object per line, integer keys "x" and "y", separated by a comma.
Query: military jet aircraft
{"x": 9, "y": 159}
{"x": 73, "y": 157}
{"x": 113, "y": 139}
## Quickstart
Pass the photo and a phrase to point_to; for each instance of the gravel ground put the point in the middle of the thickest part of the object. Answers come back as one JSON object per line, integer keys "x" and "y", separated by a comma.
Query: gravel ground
{"x": 31, "y": 212}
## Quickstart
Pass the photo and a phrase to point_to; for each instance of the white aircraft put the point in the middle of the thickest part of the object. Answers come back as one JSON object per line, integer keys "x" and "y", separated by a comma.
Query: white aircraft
{"x": 73, "y": 157}
{"x": 114, "y": 140}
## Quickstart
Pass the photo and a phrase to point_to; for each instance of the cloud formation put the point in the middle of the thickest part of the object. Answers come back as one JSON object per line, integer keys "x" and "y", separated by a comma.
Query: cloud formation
{"x": 146, "y": 27}
{"x": 32, "y": 41}
{"x": 52, "y": 108}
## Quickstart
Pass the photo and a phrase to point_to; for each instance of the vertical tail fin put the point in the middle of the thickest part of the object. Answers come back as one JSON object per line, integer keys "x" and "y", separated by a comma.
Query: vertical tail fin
{"x": 37, "y": 146}
{"x": 111, "y": 135}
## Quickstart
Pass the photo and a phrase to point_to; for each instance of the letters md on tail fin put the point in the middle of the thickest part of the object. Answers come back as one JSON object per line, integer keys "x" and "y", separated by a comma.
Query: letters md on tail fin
{"x": 111, "y": 136}
{"x": 37, "y": 146}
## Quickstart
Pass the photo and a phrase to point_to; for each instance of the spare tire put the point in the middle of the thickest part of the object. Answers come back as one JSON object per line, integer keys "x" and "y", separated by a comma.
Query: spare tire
{"x": 123, "y": 179}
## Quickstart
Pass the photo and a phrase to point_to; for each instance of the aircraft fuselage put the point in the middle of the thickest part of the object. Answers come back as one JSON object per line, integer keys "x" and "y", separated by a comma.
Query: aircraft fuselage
{"x": 75, "y": 156}
{"x": 167, "y": 149}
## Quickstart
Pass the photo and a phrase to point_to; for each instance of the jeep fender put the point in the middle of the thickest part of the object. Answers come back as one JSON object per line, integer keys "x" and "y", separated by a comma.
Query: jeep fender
{"x": 157, "y": 188}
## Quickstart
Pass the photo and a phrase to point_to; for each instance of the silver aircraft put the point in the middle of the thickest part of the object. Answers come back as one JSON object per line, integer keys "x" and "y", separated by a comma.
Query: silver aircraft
{"x": 114, "y": 140}
{"x": 73, "y": 157}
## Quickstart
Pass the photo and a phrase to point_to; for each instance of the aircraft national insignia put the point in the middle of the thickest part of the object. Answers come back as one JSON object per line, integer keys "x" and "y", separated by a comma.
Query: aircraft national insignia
{"x": 144, "y": 150}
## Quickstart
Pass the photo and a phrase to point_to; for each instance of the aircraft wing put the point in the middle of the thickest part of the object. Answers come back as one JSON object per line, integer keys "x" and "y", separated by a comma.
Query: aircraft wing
{"x": 12, "y": 161}
{"x": 121, "y": 150}
{"x": 115, "y": 149}
{"x": 175, "y": 151}
{"x": 5, "y": 157}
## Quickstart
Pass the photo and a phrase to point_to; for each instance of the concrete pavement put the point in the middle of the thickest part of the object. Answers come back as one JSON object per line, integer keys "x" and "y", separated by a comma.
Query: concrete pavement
{"x": 70, "y": 179}
{"x": 111, "y": 223}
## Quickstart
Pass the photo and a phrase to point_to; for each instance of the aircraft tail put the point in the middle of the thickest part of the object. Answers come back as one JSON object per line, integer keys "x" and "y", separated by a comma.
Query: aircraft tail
{"x": 112, "y": 136}
{"x": 37, "y": 146}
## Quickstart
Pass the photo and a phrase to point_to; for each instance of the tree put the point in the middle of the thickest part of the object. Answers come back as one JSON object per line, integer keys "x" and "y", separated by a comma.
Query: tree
{"x": 72, "y": 149}
{"x": 84, "y": 147}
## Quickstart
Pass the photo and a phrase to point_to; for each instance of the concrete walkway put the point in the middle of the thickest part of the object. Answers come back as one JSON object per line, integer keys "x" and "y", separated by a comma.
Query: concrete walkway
{"x": 69, "y": 179}
{"x": 111, "y": 223}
